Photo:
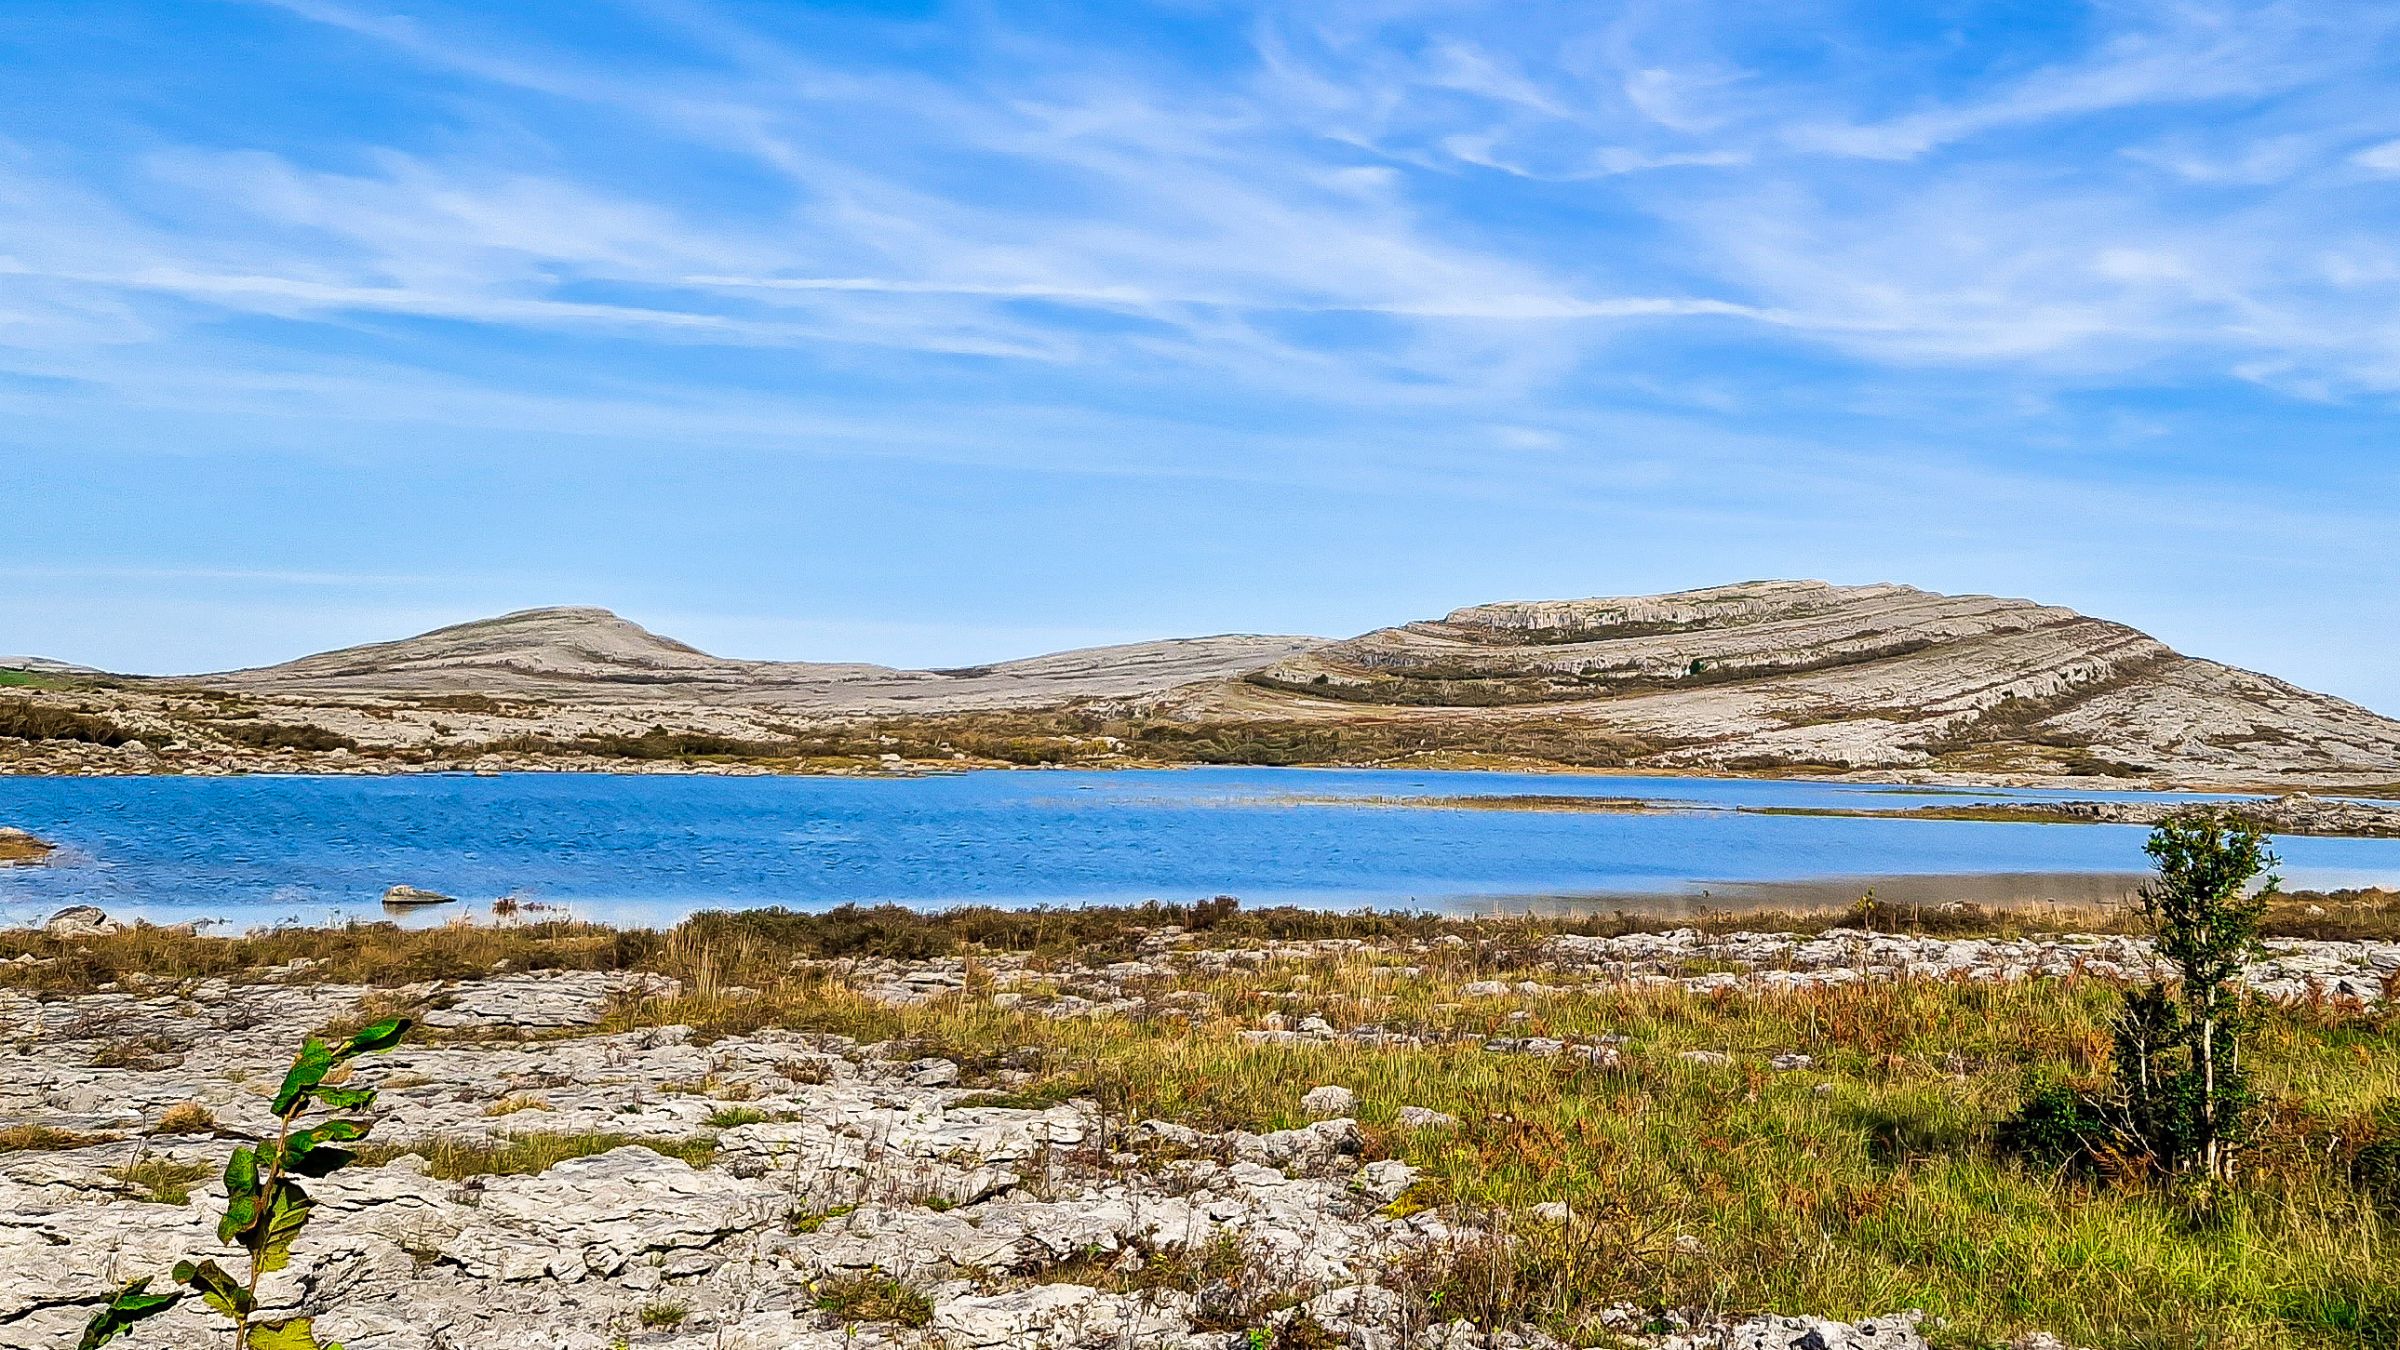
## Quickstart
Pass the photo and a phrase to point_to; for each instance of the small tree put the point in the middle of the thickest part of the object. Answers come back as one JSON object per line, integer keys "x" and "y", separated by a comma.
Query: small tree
{"x": 2181, "y": 1086}
{"x": 265, "y": 1207}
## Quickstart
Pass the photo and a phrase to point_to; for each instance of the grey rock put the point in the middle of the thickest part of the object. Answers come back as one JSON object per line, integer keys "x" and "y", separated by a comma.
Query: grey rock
{"x": 81, "y": 921}
{"x": 1311, "y": 1150}
{"x": 1328, "y": 1101}
{"x": 1897, "y": 1332}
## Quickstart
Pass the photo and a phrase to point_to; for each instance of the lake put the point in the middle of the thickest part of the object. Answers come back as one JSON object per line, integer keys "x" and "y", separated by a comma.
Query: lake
{"x": 649, "y": 849}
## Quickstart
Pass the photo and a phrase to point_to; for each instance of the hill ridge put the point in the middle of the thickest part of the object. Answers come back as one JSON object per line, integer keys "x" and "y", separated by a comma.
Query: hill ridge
{"x": 1758, "y": 676}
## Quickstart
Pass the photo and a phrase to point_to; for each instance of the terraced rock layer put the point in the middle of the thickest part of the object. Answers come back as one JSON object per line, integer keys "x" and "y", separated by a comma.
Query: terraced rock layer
{"x": 1768, "y": 676}
{"x": 1785, "y": 673}
{"x": 585, "y": 655}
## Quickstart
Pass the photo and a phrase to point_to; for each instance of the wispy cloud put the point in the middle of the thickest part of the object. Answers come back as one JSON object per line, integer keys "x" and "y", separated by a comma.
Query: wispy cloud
{"x": 1700, "y": 271}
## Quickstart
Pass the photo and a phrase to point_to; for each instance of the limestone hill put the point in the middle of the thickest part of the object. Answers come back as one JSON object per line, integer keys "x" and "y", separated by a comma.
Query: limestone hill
{"x": 1771, "y": 676}
{"x": 1781, "y": 673}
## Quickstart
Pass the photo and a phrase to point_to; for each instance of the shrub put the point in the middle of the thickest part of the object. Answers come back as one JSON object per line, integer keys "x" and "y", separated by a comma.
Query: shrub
{"x": 280, "y": 736}
{"x": 2179, "y": 1043}
{"x": 185, "y": 1118}
{"x": 2180, "y": 1099}
{"x": 665, "y": 1313}
{"x": 2376, "y": 1169}
{"x": 30, "y": 721}
{"x": 2058, "y": 1126}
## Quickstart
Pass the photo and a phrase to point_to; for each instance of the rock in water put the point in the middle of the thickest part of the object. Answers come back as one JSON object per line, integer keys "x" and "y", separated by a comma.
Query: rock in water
{"x": 18, "y": 846}
{"x": 411, "y": 896}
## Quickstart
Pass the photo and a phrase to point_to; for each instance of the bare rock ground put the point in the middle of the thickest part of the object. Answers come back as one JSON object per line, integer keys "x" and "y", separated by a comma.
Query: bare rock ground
{"x": 829, "y": 1162}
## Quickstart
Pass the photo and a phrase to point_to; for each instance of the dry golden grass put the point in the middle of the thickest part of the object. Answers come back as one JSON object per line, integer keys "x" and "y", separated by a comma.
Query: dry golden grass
{"x": 43, "y": 1139}
{"x": 185, "y": 1118}
{"x": 1861, "y": 1185}
{"x": 746, "y": 947}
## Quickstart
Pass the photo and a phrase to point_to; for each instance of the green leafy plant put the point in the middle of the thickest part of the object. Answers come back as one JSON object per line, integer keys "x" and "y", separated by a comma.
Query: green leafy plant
{"x": 2181, "y": 1098}
{"x": 265, "y": 1205}
{"x": 2180, "y": 1078}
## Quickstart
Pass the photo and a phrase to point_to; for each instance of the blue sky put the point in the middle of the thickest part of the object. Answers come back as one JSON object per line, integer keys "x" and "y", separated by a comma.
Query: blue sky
{"x": 938, "y": 333}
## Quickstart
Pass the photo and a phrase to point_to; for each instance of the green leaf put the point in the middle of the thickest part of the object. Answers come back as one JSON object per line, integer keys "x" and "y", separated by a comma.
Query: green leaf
{"x": 346, "y": 1098}
{"x": 309, "y": 1067}
{"x": 382, "y": 1035}
{"x": 297, "y": 1334}
{"x": 131, "y": 1304}
{"x": 240, "y": 1217}
{"x": 216, "y": 1288}
{"x": 273, "y": 1238}
{"x": 241, "y": 1194}
{"x": 315, "y": 1151}
{"x": 241, "y": 1172}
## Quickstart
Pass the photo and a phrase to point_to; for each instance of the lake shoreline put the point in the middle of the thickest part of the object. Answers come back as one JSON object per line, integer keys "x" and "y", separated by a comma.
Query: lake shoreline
{"x": 78, "y": 760}
{"x": 2292, "y": 814}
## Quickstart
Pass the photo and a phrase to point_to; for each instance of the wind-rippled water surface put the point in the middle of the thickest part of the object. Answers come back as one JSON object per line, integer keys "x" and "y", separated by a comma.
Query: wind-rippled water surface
{"x": 650, "y": 849}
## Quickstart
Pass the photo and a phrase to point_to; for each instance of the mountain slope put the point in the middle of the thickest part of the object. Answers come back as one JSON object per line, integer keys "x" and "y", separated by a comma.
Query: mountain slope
{"x": 585, "y": 655}
{"x": 43, "y": 665}
{"x": 1766, "y": 676}
{"x": 556, "y": 652}
{"x": 1783, "y": 673}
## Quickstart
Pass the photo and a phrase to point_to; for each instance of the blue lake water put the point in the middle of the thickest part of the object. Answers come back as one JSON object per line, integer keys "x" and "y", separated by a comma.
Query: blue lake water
{"x": 649, "y": 849}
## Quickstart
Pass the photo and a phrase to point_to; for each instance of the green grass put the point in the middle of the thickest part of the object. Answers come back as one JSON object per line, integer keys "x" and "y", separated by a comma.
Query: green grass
{"x": 528, "y": 1154}
{"x": 162, "y": 1181}
{"x": 1880, "y": 1193}
{"x": 665, "y": 1314}
{"x": 872, "y": 1297}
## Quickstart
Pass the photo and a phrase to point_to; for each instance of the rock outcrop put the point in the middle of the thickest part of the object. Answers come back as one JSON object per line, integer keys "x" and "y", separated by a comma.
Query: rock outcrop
{"x": 586, "y": 655}
{"x": 1784, "y": 673}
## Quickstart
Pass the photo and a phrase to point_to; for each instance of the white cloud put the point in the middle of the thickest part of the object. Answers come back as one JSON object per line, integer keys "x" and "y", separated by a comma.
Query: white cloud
{"x": 1298, "y": 230}
{"x": 2384, "y": 158}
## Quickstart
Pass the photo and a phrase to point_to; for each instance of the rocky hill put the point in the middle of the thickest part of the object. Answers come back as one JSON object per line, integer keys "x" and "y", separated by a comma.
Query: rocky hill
{"x": 1767, "y": 676}
{"x": 1781, "y": 673}
{"x": 43, "y": 665}
{"x": 585, "y": 655}
{"x": 561, "y": 652}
